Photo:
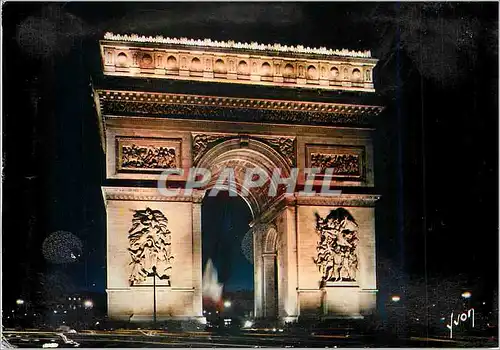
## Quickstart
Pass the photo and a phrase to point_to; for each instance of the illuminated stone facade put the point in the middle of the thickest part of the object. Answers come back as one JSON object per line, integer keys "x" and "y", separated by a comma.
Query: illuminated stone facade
{"x": 177, "y": 103}
{"x": 237, "y": 63}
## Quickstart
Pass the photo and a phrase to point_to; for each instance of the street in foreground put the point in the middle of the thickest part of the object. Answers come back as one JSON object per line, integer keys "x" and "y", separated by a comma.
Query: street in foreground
{"x": 255, "y": 338}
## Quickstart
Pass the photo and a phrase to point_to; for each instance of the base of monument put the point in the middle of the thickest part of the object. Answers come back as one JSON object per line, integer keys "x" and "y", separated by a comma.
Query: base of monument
{"x": 270, "y": 322}
{"x": 332, "y": 317}
{"x": 160, "y": 318}
{"x": 343, "y": 317}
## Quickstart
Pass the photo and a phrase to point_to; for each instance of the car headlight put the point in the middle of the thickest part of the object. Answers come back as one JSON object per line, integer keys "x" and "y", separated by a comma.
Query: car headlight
{"x": 50, "y": 345}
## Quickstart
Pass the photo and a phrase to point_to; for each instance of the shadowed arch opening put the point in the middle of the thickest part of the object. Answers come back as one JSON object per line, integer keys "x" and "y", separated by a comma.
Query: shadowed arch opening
{"x": 240, "y": 154}
{"x": 228, "y": 268}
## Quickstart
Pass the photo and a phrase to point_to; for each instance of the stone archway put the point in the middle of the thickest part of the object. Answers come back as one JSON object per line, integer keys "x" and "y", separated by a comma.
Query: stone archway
{"x": 240, "y": 154}
{"x": 150, "y": 125}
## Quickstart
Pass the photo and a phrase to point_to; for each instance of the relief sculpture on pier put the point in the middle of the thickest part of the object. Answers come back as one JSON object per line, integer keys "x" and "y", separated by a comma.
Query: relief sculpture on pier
{"x": 337, "y": 258}
{"x": 149, "y": 246}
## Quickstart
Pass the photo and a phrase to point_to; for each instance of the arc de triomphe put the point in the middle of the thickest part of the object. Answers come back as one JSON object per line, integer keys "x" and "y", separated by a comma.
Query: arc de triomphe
{"x": 168, "y": 103}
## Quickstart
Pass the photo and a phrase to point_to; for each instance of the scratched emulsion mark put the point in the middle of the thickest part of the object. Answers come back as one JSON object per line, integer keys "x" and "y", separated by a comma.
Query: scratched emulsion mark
{"x": 442, "y": 44}
{"x": 52, "y": 30}
{"x": 463, "y": 317}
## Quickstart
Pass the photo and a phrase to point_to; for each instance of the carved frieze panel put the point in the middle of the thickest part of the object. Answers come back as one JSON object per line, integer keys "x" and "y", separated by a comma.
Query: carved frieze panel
{"x": 234, "y": 109}
{"x": 337, "y": 257}
{"x": 147, "y": 154}
{"x": 150, "y": 247}
{"x": 343, "y": 162}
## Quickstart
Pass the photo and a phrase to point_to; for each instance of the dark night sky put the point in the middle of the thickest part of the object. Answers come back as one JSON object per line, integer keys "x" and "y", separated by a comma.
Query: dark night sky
{"x": 436, "y": 144}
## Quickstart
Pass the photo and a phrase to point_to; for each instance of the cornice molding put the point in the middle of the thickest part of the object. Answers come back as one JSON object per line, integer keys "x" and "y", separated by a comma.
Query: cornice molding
{"x": 147, "y": 194}
{"x": 345, "y": 200}
{"x": 237, "y": 45}
{"x": 114, "y": 102}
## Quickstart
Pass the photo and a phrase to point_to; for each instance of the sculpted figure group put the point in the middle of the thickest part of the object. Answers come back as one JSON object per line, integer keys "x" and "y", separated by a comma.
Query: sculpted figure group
{"x": 150, "y": 246}
{"x": 336, "y": 257}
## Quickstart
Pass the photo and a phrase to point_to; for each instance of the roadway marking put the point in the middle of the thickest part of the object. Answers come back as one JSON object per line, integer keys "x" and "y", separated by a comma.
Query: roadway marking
{"x": 438, "y": 340}
{"x": 133, "y": 341}
{"x": 331, "y": 336}
{"x": 166, "y": 343}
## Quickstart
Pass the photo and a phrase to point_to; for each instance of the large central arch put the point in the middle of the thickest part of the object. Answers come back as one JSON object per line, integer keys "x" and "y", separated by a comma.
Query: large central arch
{"x": 241, "y": 154}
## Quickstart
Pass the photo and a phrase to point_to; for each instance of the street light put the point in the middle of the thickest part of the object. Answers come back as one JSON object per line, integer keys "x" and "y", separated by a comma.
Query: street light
{"x": 227, "y": 303}
{"x": 154, "y": 295}
{"x": 88, "y": 304}
{"x": 466, "y": 295}
{"x": 396, "y": 298}
{"x": 21, "y": 303}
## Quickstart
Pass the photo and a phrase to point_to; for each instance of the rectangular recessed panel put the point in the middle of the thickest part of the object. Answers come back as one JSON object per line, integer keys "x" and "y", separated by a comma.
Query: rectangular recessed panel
{"x": 147, "y": 155}
{"x": 343, "y": 162}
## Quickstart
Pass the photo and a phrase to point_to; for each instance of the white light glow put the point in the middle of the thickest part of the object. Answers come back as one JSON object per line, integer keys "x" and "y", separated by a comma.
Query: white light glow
{"x": 212, "y": 289}
{"x": 466, "y": 295}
